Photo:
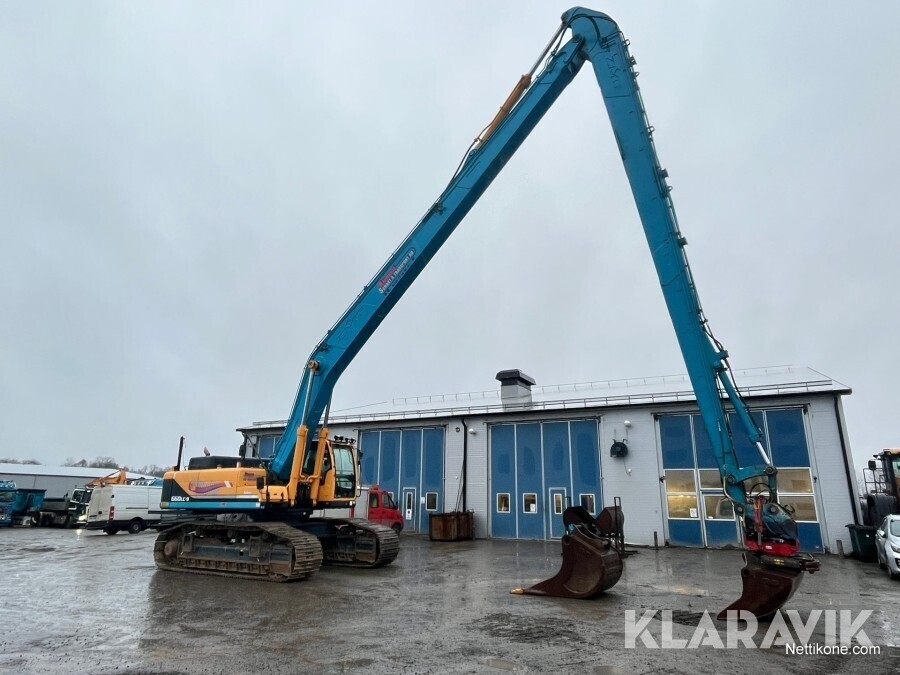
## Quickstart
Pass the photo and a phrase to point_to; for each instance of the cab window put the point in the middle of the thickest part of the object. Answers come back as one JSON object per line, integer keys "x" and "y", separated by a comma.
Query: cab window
{"x": 344, "y": 473}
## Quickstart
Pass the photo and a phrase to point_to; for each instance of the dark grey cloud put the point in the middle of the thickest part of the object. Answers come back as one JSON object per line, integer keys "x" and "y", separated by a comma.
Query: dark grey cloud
{"x": 192, "y": 194}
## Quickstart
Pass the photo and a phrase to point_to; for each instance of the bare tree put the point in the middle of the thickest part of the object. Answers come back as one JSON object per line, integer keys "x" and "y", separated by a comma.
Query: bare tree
{"x": 149, "y": 470}
{"x": 104, "y": 463}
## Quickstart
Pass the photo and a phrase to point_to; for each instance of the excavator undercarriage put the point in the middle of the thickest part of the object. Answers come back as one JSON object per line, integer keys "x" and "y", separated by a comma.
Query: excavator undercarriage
{"x": 274, "y": 551}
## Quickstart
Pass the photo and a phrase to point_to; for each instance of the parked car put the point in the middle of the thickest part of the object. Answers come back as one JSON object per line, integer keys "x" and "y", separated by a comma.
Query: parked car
{"x": 887, "y": 545}
{"x": 132, "y": 507}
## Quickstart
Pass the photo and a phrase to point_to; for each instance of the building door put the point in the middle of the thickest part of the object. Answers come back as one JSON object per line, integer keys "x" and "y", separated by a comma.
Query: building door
{"x": 680, "y": 481}
{"x": 529, "y": 459}
{"x": 409, "y": 510}
{"x": 698, "y": 514}
{"x": 401, "y": 459}
{"x": 557, "y": 501}
{"x": 719, "y": 524}
{"x": 410, "y": 476}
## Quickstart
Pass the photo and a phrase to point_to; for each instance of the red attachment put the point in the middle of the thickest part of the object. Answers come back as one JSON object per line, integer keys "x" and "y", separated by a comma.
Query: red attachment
{"x": 112, "y": 512}
{"x": 784, "y": 548}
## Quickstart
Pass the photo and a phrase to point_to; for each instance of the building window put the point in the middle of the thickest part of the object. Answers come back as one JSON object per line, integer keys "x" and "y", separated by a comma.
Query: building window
{"x": 431, "y": 500}
{"x": 587, "y": 503}
{"x": 681, "y": 493}
{"x": 795, "y": 490}
{"x": 794, "y": 481}
{"x": 529, "y": 502}
{"x": 710, "y": 479}
{"x": 718, "y": 507}
{"x": 557, "y": 503}
{"x": 804, "y": 507}
{"x": 502, "y": 502}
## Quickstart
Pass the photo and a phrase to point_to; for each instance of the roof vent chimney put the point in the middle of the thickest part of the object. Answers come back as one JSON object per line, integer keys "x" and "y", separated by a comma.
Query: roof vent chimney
{"x": 515, "y": 388}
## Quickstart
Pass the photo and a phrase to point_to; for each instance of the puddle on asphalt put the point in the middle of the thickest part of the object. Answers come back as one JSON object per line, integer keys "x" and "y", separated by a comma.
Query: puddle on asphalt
{"x": 501, "y": 664}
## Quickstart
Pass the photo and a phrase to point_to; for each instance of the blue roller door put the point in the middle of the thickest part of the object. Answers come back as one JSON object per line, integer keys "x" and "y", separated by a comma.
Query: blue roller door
{"x": 408, "y": 463}
{"x": 539, "y": 468}
{"x": 503, "y": 481}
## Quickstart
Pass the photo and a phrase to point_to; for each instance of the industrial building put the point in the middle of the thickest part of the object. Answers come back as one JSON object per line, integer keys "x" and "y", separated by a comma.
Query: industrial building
{"x": 56, "y": 480}
{"x": 518, "y": 455}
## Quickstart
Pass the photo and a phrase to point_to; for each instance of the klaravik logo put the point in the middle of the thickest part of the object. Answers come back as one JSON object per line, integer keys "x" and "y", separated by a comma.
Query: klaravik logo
{"x": 835, "y": 632}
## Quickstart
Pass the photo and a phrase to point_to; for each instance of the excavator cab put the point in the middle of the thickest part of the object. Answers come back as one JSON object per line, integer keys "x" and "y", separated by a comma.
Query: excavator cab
{"x": 329, "y": 472}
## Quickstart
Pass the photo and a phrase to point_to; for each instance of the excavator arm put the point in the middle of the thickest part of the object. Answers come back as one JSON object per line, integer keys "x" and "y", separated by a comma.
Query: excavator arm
{"x": 773, "y": 566}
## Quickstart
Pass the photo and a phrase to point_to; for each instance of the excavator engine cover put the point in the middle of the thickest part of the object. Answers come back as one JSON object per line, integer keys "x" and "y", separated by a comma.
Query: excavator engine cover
{"x": 590, "y": 563}
{"x": 769, "y": 582}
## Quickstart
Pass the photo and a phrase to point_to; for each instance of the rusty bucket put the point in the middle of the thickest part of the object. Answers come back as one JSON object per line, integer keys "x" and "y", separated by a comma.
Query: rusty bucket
{"x": 590, "y": 563}
{"x": 769, "y": 582}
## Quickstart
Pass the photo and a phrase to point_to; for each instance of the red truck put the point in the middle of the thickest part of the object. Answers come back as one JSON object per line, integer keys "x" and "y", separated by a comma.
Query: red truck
{"x": 378, "y": 506}
{"x": 373, "y": 504}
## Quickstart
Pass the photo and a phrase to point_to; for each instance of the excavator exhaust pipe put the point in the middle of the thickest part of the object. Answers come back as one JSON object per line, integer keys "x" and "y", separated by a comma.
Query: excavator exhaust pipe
{"x": 769, "y": 582}
{"x": 590, "y": 562}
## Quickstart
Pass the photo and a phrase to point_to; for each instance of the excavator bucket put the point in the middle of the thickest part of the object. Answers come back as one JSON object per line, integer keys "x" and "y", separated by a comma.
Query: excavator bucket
{"x": 590, "y": 563}
{"x": 768, "y": 583}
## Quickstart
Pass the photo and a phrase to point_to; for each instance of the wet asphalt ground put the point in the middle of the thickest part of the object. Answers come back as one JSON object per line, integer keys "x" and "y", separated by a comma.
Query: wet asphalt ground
{"x": 82, "y": 602}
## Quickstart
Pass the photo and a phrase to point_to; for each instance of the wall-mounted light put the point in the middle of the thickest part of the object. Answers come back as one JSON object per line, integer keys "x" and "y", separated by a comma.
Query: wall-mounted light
{"x": 618, "y": 449}
{"x": 472, "y": 432}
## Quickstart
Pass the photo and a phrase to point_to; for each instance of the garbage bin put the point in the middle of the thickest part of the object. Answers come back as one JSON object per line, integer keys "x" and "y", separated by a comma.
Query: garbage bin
{"x": 863, "y": 539}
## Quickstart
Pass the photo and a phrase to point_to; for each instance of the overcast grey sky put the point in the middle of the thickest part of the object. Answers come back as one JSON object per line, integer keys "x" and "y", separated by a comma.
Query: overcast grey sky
{"x": 191, "y": 194}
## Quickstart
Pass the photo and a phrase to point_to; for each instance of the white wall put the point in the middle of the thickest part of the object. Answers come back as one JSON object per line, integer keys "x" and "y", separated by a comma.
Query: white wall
{"x": 830, "y": 473}
{"x": 477, "y": 492}
{"x": 634, "y": 478}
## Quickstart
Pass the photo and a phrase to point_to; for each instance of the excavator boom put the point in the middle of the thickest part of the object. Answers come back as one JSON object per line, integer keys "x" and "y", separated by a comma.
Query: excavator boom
{"x": 298, "y": 478}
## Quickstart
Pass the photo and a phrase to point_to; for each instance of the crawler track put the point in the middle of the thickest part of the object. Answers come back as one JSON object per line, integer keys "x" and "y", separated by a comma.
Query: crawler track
{"x": 265, "y": 551}
{"x": 360, "y": 543}
{"x": 273, "y": 551}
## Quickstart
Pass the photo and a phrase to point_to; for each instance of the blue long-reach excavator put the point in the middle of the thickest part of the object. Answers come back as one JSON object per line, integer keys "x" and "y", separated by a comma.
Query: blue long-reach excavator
{"x": 240, "y": 516}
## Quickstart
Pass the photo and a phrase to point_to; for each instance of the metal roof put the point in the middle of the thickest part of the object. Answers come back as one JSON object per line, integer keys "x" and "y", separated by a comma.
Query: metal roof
{"x": 752, "y": 383}
{"x": 67, "y": 471}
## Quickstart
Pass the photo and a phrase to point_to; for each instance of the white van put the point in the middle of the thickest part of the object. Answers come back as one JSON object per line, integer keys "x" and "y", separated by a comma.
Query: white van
{"x": 129, "y": 507}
